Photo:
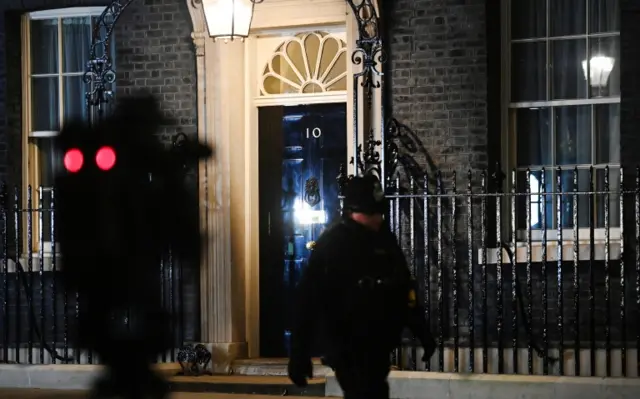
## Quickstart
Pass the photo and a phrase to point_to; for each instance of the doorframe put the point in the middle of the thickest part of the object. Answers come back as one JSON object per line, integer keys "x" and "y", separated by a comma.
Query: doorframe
{"x": 251, "y": 155}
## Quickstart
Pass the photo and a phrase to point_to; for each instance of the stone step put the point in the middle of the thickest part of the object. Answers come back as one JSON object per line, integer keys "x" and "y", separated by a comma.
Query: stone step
{"x": 81, "y": 377}
{"x": 77, "y": 394}
{"x": 247, "y": 385}
{"x": 272, "y": 367}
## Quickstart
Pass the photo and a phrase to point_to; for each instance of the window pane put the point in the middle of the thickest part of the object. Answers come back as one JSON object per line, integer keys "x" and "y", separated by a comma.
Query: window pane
{"x": 567, "y": 17}
{"x": 573, "y": 135}
{"x": 607, "y": 127}
{"x": 47, "y": 211}
{"x": 44, "y": 46}
{"x": 74, "y": 98}
{"x": 528, "y": 19}
{"x": 533, "y": 137}
{"x": 536, "y": 187}
{"x": 45, "y": 113}
{"x": 50, "y": 164}
{"x": 566, "y": 63}
{"x": 567, "y": 184}
{"x": 529, "y": 72}
{"x": 604, "y": 16}
{"x": 613, "y": 200}
{"x": 604, "y": 66}
{"x": 49, "y": 160}
{"x": 76, "y": 42}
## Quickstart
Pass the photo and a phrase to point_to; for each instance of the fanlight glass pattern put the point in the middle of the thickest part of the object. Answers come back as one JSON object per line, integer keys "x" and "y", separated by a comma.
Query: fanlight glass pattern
{"x": 308, "y": 63}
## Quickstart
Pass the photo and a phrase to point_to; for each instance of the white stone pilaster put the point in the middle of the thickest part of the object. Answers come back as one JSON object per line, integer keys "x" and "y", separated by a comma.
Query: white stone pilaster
{"x": 219, "y": 66}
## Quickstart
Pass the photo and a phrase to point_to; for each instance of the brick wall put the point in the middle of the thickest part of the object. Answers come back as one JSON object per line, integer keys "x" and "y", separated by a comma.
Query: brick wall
{"x": 154, "y": 51}
{"x": 439, "y": 79}
{"x": 3, "y": 100}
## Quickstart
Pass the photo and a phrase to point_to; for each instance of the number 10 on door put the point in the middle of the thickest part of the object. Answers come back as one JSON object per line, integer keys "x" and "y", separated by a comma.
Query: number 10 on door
{"x": 315, "y": 133}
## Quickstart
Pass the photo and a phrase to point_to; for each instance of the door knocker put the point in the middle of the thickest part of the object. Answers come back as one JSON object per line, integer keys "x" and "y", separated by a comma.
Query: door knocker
{"x": 312, "y": 192}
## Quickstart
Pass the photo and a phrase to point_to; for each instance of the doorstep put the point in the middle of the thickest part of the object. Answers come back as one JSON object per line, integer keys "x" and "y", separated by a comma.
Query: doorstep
{"x": 272, "y": 367}
{"x": 248, "y": 385}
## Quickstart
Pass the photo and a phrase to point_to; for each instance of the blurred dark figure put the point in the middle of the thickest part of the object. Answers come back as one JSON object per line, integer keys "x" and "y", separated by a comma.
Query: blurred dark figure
{"x": 356, "y": 296}
{"x": 121, "y": 204}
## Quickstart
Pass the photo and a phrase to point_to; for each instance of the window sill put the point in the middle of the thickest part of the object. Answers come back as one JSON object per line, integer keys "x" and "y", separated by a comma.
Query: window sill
{"x": 567, "y": 251}
{"x": 584, "y": 235}
{"x": 47, "y": 263}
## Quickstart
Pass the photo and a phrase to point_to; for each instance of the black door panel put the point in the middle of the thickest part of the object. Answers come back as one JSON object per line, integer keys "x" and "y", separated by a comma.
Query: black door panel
{"x": 301, "y": 149}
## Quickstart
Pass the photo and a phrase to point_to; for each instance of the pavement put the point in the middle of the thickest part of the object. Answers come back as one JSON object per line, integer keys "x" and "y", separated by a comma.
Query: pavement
{"x": 60, "y": 394}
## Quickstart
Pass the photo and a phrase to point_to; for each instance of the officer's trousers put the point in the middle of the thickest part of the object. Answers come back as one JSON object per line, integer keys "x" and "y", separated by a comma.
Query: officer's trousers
{"x": 363, "y": 377}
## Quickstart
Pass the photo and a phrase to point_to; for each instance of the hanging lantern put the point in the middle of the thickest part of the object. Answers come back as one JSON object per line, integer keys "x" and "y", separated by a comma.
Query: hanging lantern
{"x": 229, "y": 19}
{"x": 600, "y": 68}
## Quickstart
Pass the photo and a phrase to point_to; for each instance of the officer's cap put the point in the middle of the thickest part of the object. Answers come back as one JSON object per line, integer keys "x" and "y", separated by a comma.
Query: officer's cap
{"x": 364, "y": 194}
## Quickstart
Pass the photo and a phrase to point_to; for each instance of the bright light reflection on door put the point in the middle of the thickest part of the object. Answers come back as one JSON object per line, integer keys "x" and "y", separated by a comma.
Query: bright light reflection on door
{"x": 306, "y": 216}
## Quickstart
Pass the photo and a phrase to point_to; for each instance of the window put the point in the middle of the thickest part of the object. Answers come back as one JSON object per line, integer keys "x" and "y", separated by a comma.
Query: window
{"x": 309, "y": 63}
{"x": 564, "y": 104}
{"x": 56, "y": 47}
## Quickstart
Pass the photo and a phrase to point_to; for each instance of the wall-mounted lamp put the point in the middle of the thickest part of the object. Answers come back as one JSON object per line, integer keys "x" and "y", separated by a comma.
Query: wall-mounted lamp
{"x": 600, "y": 68}
{"x": 229, "y": 19}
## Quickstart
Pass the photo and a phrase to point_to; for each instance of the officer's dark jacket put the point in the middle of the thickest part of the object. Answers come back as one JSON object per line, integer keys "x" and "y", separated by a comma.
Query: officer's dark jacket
{"x": 355, "y": 294}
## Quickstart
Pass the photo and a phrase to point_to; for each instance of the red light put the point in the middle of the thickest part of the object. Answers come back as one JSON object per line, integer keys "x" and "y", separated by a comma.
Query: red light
{"x": 105, "y": 158}
{"x": 73, "y": 160}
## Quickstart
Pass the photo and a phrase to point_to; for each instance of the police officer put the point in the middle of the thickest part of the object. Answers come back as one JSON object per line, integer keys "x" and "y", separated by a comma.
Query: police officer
{"x": 356, "y": 296}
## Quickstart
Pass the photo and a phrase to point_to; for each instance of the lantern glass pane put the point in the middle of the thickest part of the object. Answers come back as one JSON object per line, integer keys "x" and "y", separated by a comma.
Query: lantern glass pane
{"x": 227, "y": 19}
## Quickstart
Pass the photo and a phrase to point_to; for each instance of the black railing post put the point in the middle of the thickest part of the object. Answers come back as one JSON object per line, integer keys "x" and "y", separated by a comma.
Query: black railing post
{"x": 17, "y": 216}
{"x": 54, "y": 277}
{"x": 4, "y": 208}
{"x": 454, "y": 268}
{"x": 623, "y": 291}
{"x": 412, "y": 260}
{"x": 592, "y": 282}
{"x": 545, "y": 302}
{"x": 427, "y": 259}
{"x": 636, "y": 206}
{"x": 559, "y": 287}
{"x": 440, "y": 265}
{"x": 576, "y": 274}
{"x": 498, "y": 177}
{"x": 514, "y": 276}
{"x": 471, "y": 279}
{"x": 29, "y": 294}
{"x": 41, "y": 211}
{"x": 483, "y": 288}
{"x": 529, "y": 316}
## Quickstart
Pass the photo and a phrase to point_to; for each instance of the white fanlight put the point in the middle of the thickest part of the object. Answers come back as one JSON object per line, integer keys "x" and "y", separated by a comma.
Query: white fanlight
{"x": 228, "y": 19}
{"x": 600, "y": 68}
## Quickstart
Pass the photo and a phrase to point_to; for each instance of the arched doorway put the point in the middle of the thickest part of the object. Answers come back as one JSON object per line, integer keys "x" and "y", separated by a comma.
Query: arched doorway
{"x": 302, "y": 140}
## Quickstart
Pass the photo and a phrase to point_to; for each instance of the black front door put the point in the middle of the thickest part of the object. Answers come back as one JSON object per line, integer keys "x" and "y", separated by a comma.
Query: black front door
{"x": 301, "y": 149}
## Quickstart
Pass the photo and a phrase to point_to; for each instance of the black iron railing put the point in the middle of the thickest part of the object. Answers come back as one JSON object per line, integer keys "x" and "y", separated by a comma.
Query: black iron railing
{"x": 38, "y": 316}
{"x": 531, "y": 275}
{"x": 537, "y": 272}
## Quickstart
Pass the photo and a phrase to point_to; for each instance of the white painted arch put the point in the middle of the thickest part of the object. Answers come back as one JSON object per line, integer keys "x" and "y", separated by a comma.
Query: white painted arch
{"x": 227, "y": 75}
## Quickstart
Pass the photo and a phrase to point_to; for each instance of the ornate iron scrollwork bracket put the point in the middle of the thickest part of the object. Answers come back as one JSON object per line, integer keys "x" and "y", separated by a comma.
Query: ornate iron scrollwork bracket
{"x": 194, "y": 360}
{"x": 367, "y": 162}
{"x": 370, "y": 54}
{"x": 100, "y": 75}
{"x": 369, "y": 51}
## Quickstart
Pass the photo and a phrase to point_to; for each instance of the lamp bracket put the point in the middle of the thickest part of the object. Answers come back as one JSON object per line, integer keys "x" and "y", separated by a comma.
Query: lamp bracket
{"x": 369, "y": 51}
{"x": 99, "y": 73}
